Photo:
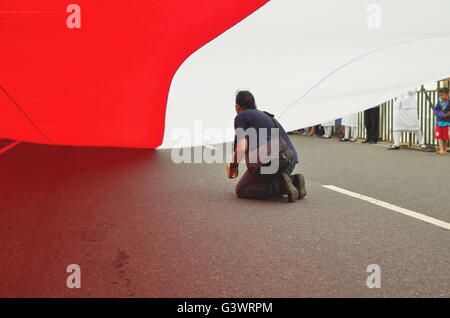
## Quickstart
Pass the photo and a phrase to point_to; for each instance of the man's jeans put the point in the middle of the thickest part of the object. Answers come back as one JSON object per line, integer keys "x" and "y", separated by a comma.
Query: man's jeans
{"x": 257, "y": 186}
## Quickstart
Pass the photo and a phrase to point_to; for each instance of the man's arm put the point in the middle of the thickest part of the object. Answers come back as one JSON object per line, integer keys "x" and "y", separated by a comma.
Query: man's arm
{"x": 240, "y": 150}
{"x": 241, "y": 144}
{"x": 239, "y": 153}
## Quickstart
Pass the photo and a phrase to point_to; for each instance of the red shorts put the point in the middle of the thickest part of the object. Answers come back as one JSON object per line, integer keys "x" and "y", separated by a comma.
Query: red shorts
{"x": 441, "y": 133}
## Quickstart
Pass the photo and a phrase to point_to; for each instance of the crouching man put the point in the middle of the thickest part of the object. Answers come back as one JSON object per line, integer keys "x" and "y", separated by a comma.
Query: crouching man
{"x": 269, "y": 154}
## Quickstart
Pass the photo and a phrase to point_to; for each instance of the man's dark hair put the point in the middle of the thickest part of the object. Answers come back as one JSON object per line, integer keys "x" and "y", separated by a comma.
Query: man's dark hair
{"x": 443, "y": 90}
{"x": 245, "y": 99}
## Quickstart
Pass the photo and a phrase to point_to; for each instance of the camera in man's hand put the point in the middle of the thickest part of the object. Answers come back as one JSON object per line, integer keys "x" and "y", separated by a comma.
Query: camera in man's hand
{"x": 232, "y": 170}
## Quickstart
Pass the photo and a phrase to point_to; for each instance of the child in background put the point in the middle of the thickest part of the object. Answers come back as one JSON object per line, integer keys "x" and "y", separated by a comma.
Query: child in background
{"x": 442, "y": 112}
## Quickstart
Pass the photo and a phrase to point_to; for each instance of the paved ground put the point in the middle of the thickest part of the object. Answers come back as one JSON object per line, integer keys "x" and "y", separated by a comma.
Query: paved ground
{"x": 140, "y": 226}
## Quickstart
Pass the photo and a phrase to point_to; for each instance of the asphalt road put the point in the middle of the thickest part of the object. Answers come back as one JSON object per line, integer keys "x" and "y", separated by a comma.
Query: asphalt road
{"x": 139, "y": 225}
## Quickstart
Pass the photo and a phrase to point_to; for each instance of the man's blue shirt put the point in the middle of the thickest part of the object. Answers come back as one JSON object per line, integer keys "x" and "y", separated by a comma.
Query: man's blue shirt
{"x": 257, "y": 119}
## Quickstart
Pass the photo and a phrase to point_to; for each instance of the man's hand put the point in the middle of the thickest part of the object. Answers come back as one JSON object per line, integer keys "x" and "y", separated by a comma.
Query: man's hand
{"x": 232, "y": 170}
{"x": 239, "y": 154}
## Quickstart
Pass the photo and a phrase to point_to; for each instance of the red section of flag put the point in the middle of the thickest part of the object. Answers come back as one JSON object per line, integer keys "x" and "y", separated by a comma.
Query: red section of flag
{"x": 107, "y": 82}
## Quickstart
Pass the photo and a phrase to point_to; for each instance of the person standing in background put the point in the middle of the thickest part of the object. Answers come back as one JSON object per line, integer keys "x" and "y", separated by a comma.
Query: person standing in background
{"x": 312, "y": 131}
{"x": 405, "y": 119}
{"x": 328, "y": 128}
{"x": 341, "y": 127}
{"x": 350, "y": 123}
{"x": 372, "y": 121}
{"x": 442, "y": 112}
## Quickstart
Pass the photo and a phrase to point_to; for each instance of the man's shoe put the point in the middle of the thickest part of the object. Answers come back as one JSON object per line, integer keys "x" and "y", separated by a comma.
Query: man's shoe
{"x": 287, "y": 187}
{"x": 394, "y": 147}
{"x": 365, "y": 141}
{"x": 353, "y": 139}
{"x": 373, "y": 142}
{"x": 343, "y": 139}
{"x": 299, "y": 183}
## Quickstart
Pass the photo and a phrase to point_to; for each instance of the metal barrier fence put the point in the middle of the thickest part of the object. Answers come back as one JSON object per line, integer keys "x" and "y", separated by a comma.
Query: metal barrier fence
{"x": 426, "y": 100}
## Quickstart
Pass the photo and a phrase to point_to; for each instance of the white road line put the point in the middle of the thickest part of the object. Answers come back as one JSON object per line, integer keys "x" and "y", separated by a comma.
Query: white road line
{"x": 392, "y": 207}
